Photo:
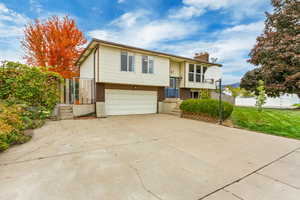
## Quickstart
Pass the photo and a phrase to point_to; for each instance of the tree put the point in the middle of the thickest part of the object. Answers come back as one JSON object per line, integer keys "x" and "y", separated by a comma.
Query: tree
{"x": 277, "y": 51}
{"x": 55, "y": 43}
{"x": 261, "y": 97}
{"x": 250, "y": 80}
{"x": 234, "y": 91}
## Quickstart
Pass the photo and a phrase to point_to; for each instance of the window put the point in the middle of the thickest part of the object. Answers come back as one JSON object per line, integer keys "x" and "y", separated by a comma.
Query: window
{"x": 196, "y": 73}
{"x": 147, "y": 65}
{"x": 151, "y": 65}
{"x": 127, "y": 61}
{"x": 191, "y": 72}
{"x": 123, "y": 61}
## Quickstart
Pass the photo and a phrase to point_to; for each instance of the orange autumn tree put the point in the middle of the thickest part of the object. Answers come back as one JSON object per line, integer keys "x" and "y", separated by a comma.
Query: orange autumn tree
{"x": 55, "y": 43}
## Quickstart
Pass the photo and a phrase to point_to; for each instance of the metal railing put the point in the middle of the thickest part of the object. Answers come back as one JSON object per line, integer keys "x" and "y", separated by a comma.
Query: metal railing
{"x": 78, "y": 91}
{"x": 172, "y": 93}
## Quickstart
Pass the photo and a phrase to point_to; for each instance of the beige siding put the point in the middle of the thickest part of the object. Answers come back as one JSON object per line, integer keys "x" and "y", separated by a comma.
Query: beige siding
{"x": 87, "y": 67}
{"x": 175, "y": 69}
{"x": 182, "y": 74}
{"x": 110, "y": 72}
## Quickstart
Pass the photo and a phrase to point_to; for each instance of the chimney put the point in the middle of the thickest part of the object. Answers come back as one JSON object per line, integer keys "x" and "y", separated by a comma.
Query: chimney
{"x": 204, "y": 56}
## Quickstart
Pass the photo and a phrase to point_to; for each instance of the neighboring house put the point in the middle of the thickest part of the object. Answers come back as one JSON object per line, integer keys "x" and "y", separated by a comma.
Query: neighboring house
{"x": 131, "y": 80}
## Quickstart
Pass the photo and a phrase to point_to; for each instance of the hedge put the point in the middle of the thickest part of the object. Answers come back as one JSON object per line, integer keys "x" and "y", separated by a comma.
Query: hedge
{"x": 27, "y": 96}
{"x": 13, "y": 121}
{"x": 33, "y": 86}
{"x": 206, "y": 107}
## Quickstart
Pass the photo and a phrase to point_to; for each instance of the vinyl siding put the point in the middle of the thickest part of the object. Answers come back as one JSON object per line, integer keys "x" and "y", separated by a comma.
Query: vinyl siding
{"x": 110, "y": 64}
{"x": 87, "y": 67}
{"x": 175, "y": 69}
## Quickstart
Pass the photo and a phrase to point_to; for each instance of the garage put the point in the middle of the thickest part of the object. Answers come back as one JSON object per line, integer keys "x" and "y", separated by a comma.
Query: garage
{"x": 128, "y": 102}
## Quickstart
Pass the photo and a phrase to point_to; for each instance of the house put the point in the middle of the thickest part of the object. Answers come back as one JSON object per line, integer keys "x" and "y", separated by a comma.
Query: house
{"x": 131, "y": 80}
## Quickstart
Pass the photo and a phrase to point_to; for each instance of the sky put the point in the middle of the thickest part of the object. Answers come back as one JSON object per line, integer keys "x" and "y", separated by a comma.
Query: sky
{"x": 226, "y": 29}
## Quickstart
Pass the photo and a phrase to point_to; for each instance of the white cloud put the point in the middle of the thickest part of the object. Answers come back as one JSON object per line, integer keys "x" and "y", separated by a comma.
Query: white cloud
{"x": 11, "y": 31}
{"x": 129, "y": 19}
{"x": 186, "y": 12}
{"x": 121, "y": 1}
{"x": 36, "y": 6}
{"x": 237, "y": 9}
{"x": 140, "y": 31}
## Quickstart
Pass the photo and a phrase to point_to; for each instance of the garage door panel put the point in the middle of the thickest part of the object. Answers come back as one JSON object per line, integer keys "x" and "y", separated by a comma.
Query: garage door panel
{"x": 125, "y": 102}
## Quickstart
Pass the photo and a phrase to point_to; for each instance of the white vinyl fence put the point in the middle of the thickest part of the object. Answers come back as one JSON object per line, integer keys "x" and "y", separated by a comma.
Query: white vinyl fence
{"x": 284, "y": 101}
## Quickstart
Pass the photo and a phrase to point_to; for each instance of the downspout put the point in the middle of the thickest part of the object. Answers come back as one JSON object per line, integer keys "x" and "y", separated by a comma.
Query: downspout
{"x": 95, "y": 80}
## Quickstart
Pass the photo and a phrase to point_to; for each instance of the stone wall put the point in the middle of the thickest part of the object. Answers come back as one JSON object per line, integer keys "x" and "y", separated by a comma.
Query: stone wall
{"x": 84, "y": 109}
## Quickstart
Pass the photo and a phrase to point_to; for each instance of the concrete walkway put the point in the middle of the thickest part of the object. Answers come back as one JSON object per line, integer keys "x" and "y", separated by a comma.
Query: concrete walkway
{"x": 150, "y": 157}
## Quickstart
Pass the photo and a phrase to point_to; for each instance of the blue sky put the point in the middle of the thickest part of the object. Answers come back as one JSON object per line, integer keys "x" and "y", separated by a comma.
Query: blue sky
{"x": 227, "y": 29}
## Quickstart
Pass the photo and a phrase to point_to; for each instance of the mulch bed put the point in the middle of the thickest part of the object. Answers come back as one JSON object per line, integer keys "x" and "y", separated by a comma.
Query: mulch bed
{"x": 199, "y": 117}
{"x": 205, "y": 118}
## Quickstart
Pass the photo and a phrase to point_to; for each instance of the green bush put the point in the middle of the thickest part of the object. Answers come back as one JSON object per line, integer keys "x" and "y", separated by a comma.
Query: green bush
{"x": 297, "y": 105}
{"x": 27, "y": 96}
{"x": 11, "y": 126}
{"x": 33, "y": 86}
{"x": 207, "y": 107}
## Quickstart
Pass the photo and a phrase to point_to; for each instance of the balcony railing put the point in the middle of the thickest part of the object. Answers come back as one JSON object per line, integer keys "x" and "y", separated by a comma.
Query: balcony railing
{"x": 172, "y": 92}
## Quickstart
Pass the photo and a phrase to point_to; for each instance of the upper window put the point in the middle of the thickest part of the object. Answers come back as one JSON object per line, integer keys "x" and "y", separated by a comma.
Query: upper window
{"x": 127, "y": 61}
{"x": 196, "y": 73}
{"x": 191, "y": 72}
{"x": 147, "y": 65}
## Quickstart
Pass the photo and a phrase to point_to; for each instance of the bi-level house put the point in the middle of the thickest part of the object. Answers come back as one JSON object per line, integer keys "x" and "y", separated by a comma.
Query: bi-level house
{"x": 132, "y": 80}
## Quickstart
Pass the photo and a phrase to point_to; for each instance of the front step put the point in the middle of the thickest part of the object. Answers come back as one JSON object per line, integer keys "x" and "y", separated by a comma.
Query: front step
{"x": 175, "y": 113}
{"x": 66, "y": 112}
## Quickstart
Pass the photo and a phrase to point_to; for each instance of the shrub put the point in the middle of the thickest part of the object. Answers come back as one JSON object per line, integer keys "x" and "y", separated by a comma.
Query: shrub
{"x": 207, "y": 107}
{"x": 11, "y": 126}
{"x": 33, "y": 86}
{"x": 205, "y": 94}
{"x": 297, "y": 105}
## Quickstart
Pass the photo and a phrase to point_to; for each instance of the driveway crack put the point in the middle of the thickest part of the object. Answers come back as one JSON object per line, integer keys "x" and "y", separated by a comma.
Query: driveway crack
{"x": 249, "y": 174}
{"x": 76, "y": 152}
{"x": 142, "y": 182}
{"x": 233, "y": 194}
{"x": 277, "y": 180}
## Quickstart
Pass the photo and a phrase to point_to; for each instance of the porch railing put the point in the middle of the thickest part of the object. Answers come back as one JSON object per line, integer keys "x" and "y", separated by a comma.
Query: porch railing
{"x": 78, "y": 91}
{"x": 172, "y": 93}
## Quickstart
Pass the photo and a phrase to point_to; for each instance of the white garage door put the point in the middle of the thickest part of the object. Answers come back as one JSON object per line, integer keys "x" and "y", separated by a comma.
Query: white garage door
{"x": 126, "y": 102}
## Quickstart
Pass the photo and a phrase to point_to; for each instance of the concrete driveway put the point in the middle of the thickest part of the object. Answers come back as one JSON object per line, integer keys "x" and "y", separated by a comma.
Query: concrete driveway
{"x": 149, "y": 157}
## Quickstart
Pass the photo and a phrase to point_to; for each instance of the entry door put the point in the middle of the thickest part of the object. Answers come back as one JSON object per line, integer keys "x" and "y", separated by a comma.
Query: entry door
{"x": 126, "y": 102}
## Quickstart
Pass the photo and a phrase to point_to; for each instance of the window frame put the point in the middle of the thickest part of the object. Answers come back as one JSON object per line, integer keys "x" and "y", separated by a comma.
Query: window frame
{"x": 198, "y": 74}
{"x": 198, "y": 77}
{"x": 191, "y": 73}
{"x": 149, "y": 60}
{"x": 128, "y": 67}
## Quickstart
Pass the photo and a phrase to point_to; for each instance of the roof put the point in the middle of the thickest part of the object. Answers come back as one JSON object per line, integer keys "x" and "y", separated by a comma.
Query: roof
{"x": 87, "y": 51}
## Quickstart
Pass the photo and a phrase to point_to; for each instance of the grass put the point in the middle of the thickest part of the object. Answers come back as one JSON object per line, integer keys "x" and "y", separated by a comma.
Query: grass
{"x": 284, "y": 123}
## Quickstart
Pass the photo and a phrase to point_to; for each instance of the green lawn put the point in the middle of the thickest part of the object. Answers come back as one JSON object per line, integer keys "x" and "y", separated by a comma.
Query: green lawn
{"x": 272, "y": 121}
